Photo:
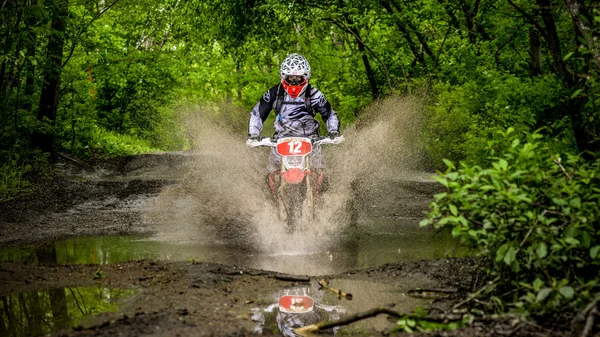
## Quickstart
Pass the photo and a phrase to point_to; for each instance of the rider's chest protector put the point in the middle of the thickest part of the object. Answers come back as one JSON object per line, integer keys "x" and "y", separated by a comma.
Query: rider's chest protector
{"x": 295, "y": 116}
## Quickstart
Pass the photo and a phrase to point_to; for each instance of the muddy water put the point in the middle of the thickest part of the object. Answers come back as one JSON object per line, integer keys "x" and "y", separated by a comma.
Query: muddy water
{"x": 48, "y": 310}
{"x": 368, "y": 251}
{"x": 327, "y": 306}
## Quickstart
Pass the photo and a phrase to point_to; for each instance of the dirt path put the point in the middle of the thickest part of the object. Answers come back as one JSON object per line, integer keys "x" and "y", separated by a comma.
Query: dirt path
{"x": 171, "y": 298}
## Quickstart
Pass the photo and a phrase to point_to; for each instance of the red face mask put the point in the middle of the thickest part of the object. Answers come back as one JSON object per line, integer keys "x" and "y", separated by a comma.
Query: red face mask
{"x": 294, "y": 87}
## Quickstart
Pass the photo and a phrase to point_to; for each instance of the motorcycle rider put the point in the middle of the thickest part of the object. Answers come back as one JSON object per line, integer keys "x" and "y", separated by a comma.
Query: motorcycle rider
{"x": 295, "y": 103}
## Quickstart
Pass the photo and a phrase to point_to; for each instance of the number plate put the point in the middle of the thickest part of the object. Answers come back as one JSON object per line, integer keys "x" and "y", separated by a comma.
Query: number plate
{"x": 294, "y": 146}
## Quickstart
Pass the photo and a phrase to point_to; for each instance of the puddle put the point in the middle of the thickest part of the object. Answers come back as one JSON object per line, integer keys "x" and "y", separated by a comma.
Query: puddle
{"x": 367, "y": 251}
{"x": 300, "y": 306}
{"x": 47, "y": 311}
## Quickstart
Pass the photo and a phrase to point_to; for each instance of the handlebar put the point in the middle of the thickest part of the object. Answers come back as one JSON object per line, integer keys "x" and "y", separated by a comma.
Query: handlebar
{"x": 270, "y": 143}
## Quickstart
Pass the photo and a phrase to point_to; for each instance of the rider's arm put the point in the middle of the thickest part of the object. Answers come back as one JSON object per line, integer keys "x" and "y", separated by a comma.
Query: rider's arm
{"x": 261, "y": 111}
{"x": 320, "y": 104}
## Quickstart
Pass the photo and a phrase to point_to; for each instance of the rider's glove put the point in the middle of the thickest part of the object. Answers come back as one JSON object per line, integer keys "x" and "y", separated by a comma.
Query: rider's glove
{"x": 333, "y": 134}
{"x": 254, "y": 138}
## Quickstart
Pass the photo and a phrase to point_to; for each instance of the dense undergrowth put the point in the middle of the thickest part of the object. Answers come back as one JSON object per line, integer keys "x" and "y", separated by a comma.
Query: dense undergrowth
{"x": 532, "y": 214}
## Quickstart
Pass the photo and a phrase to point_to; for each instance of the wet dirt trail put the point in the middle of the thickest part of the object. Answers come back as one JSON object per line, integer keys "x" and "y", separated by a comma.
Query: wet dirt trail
{"x": 180, "y": 244}
{"x": 87, "y": 255}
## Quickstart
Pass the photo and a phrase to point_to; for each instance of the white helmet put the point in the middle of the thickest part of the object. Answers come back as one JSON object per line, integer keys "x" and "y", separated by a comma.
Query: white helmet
{"x": 295, "y": 64}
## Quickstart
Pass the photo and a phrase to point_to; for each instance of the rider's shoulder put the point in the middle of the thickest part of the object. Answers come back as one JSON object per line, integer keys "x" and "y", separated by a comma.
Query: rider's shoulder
{"x": 315, "y": 93}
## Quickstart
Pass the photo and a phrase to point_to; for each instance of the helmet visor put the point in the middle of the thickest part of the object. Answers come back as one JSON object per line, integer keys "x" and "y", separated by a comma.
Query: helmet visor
{"x": 295, "y": 79}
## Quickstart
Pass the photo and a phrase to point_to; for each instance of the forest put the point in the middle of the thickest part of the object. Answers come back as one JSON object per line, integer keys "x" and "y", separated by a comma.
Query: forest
{"x": 510, "y": 92}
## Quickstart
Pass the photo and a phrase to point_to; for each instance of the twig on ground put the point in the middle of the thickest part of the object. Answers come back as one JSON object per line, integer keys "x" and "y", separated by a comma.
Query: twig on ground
{"x": 82, "y": 165}
{"x": 431, "y": 293}
{"x": 589, "y": 322}
{"x": 308, "y": 330}
{"x": 475, "y": 294}
{"x": 341, "y": 294}
{"x": 584, "y": 316}
{"x": 291, "y": 278}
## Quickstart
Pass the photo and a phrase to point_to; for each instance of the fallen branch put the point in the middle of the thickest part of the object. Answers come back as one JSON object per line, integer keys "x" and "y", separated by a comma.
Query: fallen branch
{"x": 82, "y": 165}
{"x": 445, "y": 318}
{"x": 589, "y": 322}
{"x": 291, "y": 278}
{"x": 475, "y": 294}
{"x": 341, "y": 294}
{"x": 431, "y": 293}
{"x": 308, "y": 330}
{"x": 586, "y": 316}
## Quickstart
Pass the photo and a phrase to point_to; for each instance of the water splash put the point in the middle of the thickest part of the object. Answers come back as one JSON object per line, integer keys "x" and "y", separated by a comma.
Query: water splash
{"x": 224, "y": 195}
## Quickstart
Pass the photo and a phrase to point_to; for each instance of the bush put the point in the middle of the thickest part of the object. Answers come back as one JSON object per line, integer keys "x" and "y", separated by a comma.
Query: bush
{"x": 18, "y": 169}
{"x": 464, "y": 117}
{"x": 534, "y": 216}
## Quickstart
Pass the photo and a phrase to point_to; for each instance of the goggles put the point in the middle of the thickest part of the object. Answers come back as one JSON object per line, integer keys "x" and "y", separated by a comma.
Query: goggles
{"x": 295, "y": 79}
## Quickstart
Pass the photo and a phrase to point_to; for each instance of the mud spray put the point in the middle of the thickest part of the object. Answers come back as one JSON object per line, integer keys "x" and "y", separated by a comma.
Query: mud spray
{"x": 224, "y": 197}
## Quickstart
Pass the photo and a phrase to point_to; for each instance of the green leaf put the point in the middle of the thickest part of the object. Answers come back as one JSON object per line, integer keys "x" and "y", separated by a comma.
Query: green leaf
{"x": 441, "y": 180}
{"x": 568, "y": 56}
{"x": 501, "y": 252}
{"x": 542, "y": 250}
{"x": 537, "y": 284}
{"x": 567, "y": 292}
{"x": 449, "y": 164}
{"x": 572, "y": 241}
{"x": 576, "y": 93}
{"x": 576, "y": 202}
{"x": 594, "y": 251}
{"x": 510, "y": 256}
{"x": 559, "y": 202}
{"x": 542, "y": 294}
{"x": 503, "y": 164}
{"x": 453, "y": 210}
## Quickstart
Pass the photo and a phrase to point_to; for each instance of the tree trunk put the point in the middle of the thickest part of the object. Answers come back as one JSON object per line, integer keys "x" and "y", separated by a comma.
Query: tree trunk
{"x": 586, "y": 27}
{"x": 417, "y": 32}
{"x": 413, "y": 48}
{"x": 535, "y": 53}
{"x": 12, "y": 34}
{"x": 552, "y": 36}
{"x": 453, "y": 19}
{"x": 58, "y": 304}
{"x": 30, "y": 44}
{"x": 365, "y": 59}
{"x": 470, "y": 15}
{"x": 44, "y": 137}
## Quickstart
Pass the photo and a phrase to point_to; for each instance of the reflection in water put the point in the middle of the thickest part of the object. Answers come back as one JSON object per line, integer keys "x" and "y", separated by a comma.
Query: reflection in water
{"x": 295, "y": 307}
{"x": 367, "y": 251}
{"x": 290, "y": 309}
{"x": 47, "y": 311}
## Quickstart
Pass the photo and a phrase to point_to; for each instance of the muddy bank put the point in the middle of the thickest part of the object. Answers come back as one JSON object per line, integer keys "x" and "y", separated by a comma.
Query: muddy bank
{"x": 178, "y": 299}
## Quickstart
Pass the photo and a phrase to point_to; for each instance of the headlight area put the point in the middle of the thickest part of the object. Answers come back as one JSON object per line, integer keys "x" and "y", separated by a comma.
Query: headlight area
{"x": 294, "y": 161}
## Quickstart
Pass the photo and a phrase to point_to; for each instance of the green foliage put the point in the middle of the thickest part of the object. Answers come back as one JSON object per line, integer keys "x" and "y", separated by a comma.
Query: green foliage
{"x": 98, "y": 275}
{"x": 420, "y": 322}
{"x": 534, "y": 215}
{"x": 18, "y": 168}
{"x": 464, "y": 117}
{"x": 12, "y": 180}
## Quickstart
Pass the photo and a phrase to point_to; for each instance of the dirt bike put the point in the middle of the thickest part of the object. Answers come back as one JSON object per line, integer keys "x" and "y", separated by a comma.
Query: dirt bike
{"x": 296, "y": 186}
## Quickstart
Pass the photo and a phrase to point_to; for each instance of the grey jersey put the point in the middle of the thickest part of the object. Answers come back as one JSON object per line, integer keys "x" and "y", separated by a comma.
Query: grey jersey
{"x": 294, "y": 118}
